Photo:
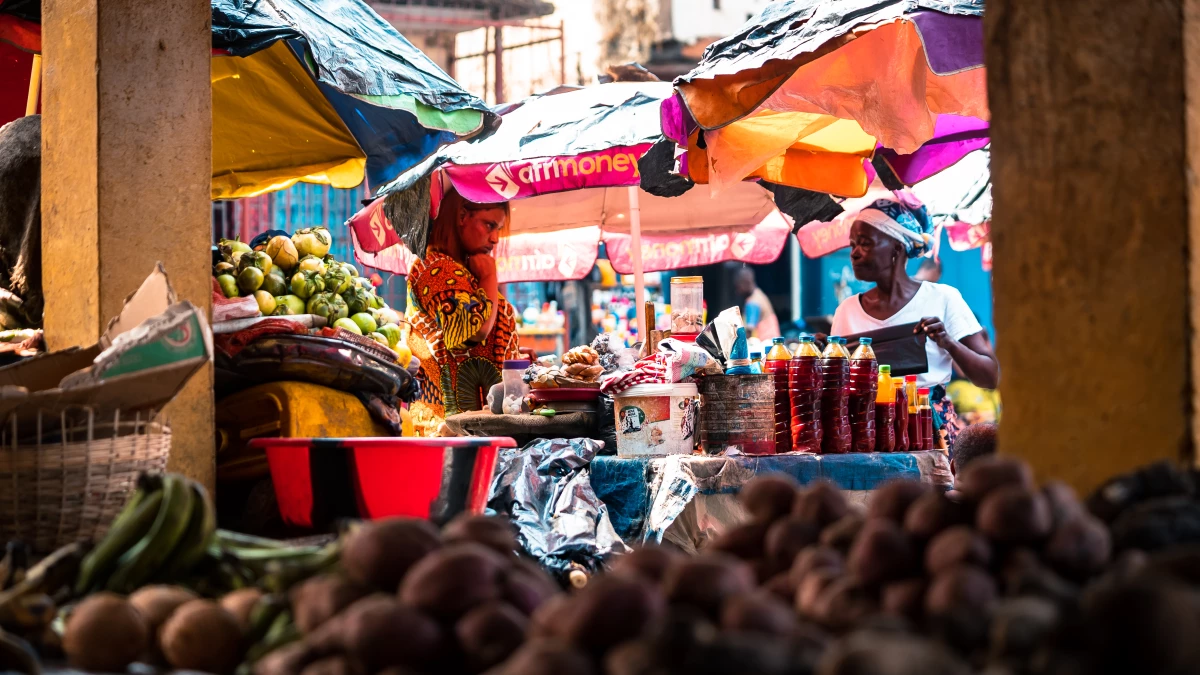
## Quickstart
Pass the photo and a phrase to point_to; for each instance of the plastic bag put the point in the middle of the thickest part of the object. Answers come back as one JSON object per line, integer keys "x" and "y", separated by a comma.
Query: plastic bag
{"x": 545, "y": 488}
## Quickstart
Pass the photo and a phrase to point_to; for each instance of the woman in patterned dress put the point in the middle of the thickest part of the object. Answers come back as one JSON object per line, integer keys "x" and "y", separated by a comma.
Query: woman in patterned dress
{"x": 462, "y": 328}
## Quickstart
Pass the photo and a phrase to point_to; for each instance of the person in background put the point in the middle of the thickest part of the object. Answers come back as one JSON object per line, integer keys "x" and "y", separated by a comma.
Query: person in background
{"x": 977, "y": 440}
{"x": 463, "y": 329}
{"x": 883, "y": 238}
{"x": 930, "y": 270}
{"x": 759, "y": 315}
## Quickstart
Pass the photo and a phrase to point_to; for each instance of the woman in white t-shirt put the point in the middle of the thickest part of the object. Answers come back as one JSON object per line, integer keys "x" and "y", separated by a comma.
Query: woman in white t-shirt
{"x": 883, "y": 238}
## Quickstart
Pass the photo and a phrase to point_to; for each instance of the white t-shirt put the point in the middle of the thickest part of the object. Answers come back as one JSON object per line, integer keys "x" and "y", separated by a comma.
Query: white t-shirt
{"x": 936, "y": 300}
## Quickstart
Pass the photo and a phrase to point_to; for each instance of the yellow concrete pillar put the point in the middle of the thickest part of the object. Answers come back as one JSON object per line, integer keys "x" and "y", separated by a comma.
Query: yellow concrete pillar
{"x": 126, "y": 172}
{"x": 1090, "y": 232}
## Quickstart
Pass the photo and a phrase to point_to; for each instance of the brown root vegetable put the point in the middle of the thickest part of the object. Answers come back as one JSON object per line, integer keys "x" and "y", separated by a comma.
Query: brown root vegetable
{"x": 525, "y": 586}
{"x": 893, "y": 499}
{"x": 933, "y": 512}
{"x": 1024, "y": 574}
{"x": 770, "y": 497}
{"x": 546, "y": 657}
{"x": 814, "y": 558}
{"x": 871, "y": 653}
{"x": 380, "y": 553}
{"x": 785, "y": 539}
{"x": 1080, "y": 547}
{"x": 550, "y": 620}
{"x": 1142, "y": 627}
{"x": 494, "y": 532}
{"x": 810, "y": 589}
{"x": 821, "y": 504}
{"x": 289, "y": 659}
{"x": 201, "y": 635}
{"x": 758, "y": 612}
{"x": 781, "y": 586}
{"x": 330, "y": 665}
{"x": 990, "y": 473}
{"x": 490, "y": 633}
{"x": 704, "y": 582}
{"x": 959, "y": 545}
{"x": 882, "y": 553}
{"x": 904, "y": 598}
{"x": 105, "y": 633}
{"x": 1020, "y": 627}
{"x": 965, "y": 587}
{"x": 844, "y": 603}
{"x": 841, "y": 535}
{"x": 743, "y": 541}
{"x": 449, "y": 582}
{"x": 240, "y": 604}
{"x": 155, "y": 604}
{"x": 636, "y": 657}
{"x": 1014, "y": 515}
{"x": 649, "y": 562}
{"x": 610, "y": 611}
{"x": 320, "y": 598}
{"x": 379, "y": 632}
{"x": 1063, "y": 501}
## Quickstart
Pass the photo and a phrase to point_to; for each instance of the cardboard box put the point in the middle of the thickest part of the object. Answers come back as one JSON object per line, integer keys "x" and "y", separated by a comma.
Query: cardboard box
{"x": 146, "y": 355}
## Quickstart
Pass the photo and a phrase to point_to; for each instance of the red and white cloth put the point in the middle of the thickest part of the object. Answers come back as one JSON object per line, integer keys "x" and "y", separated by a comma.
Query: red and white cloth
{"x": 674, "y": 361}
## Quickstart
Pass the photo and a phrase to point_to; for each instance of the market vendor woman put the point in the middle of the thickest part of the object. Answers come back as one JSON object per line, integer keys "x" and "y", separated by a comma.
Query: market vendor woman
{"x": 883, "y": 238}
{"x": 462, "y": 328}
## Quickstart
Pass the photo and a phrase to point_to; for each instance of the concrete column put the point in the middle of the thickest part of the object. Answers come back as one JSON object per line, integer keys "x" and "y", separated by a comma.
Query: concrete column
{"x": 1091, "y": 233}
{"x": 127, "y": 166}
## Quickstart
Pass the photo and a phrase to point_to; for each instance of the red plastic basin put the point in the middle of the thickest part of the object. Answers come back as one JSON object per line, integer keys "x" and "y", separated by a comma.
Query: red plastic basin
{"x": 318, "y": 480}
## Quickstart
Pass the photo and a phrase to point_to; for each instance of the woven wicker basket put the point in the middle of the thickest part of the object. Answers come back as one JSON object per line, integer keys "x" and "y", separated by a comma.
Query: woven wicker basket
{"x": 67, "y": 478}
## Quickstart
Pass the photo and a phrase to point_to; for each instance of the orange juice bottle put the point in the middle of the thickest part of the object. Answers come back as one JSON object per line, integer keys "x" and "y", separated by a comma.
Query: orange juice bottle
{"x": 885, "y": 411}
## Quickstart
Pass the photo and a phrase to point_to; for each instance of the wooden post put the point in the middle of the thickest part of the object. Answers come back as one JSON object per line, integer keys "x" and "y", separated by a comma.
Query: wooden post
{"x": 126, "y": 175}
{"x": 1090, "y": 231}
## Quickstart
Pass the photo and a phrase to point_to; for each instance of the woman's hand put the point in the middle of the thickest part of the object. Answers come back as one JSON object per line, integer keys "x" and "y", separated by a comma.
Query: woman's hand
{"x": 935, "y": 330}
{"x": 528, "y": 353}
{"x": 483, "y": 266}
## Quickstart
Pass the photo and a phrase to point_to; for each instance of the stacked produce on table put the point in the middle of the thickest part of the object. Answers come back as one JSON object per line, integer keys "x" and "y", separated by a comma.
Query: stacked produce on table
{"x": 1002, "y": 578}
{"x": 581, "y": 368}
{"x": 296, "y": 275}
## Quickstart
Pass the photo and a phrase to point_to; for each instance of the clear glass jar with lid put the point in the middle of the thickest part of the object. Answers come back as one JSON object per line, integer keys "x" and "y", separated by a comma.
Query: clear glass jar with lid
{"x": 687, "y": 305}
{"x": 515, "y": 389}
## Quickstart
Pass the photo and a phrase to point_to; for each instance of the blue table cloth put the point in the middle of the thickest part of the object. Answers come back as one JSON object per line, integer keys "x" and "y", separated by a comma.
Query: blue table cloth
{"x": 646, "y": 496}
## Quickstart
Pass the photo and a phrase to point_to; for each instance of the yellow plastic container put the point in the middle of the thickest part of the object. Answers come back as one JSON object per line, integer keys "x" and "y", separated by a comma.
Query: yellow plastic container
{"x": 285, "y": 410}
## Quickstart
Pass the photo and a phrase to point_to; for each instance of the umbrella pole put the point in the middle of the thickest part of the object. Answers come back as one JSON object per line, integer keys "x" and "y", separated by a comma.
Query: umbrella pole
{"x": 639, "y": 279}
{"x": 35, "y": 86}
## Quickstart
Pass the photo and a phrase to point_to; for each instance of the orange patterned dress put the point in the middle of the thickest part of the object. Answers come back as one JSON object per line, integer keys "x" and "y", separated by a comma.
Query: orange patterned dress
{"x": 446, "y": 307}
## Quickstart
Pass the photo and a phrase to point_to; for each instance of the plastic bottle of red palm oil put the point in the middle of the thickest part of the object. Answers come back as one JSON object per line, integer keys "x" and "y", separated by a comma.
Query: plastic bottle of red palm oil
{"x": 835, "y": 395}
{"x": 900, "y": 422}
{"x": 776, "y": 365}
{"x": 804, "y": 384}
{"x": 864, "y": 380}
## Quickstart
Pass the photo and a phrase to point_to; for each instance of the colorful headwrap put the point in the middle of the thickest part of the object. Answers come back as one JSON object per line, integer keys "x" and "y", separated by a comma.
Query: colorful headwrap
{"x": 908, "y": 224}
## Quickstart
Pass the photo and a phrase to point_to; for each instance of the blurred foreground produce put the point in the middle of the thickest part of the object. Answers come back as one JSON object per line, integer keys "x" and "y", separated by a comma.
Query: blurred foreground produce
{"x": 1005, "y": 577}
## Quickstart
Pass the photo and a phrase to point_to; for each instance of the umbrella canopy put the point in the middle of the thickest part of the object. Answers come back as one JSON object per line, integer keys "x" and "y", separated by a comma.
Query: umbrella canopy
{"x": 569, "y": 165}
{"x": 556, "y": 237}
{"x": 890, "y": 65}
{"x": 305, "y": 90}
{"x": 902, "y": 78}
{"x": 959, "y": 199}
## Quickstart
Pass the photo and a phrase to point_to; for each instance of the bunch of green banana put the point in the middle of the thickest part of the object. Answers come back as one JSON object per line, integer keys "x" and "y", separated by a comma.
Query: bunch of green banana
{"x": 164, "y": 531}
{"x": 28, "y": 606}
{"x": 272, "y": 565}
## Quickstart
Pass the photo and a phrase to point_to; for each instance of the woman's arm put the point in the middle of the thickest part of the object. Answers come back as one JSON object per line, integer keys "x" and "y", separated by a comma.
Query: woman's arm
{"x": 483, "y": 266}
{"x": 973, "y": 354}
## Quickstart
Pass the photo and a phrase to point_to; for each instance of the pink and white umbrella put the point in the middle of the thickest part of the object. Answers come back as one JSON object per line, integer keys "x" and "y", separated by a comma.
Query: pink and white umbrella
{"x": 568, "y": 163}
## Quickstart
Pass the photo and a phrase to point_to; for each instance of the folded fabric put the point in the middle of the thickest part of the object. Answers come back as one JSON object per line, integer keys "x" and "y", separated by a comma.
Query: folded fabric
{"x": 675, "y": 361}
